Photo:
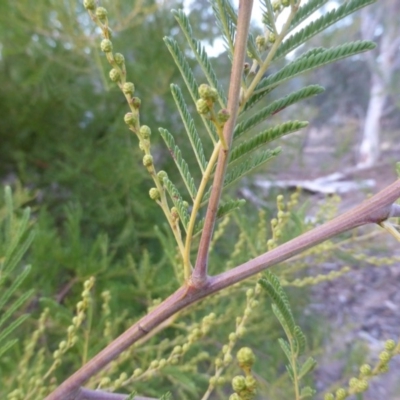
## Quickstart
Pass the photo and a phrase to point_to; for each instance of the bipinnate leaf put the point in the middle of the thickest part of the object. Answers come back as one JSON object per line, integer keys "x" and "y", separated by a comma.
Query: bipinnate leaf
{"x": 200, "y": 54}
{"x": 275, "y": 107}
{"x": 307, "y": 63}
{"x": 307, "y": 367}
{"x": 189, "y": 79}
{"x": 320, "y": 25}
{"x": 191, "y": 131}
{"x": 267, "y": 136}
{"x": 180, "y": 162}
{"x": 178, "y": 202}
{"x": 279, "y": 298}
{"x": 300, "y": 340}
{"x": 226, "y": 21}
{"x": 307, "y": 392}
{"x": 305, "y": 11}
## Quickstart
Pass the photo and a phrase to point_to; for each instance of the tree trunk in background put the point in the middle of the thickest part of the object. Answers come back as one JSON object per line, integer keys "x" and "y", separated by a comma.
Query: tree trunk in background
{"x": 383, "y": 17}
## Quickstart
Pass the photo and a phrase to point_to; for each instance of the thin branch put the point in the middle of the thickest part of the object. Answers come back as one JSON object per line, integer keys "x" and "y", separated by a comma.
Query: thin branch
{"x": 375, "y": 210}
{"x": 199, "y": 276}
{"x": 88, "y": 394}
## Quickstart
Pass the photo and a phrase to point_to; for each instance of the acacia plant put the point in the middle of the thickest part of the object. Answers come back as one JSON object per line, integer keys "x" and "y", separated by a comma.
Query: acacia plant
{"x": 231, "y": 124}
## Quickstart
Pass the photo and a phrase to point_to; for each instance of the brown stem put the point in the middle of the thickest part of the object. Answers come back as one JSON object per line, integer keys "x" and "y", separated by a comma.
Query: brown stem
{"x": 199, "y": 276}
{"x": 375, "y": 210}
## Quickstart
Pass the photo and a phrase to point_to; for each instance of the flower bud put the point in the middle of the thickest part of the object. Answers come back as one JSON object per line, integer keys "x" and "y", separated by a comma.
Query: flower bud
{"x": 128, "y": 88}
{"x": 223, "y": 115}
{"x": 119, "y": 58}
{"x": 135, "y": 101}
{"x": 145, "y": 131}
{"x": 260, "y": 41}
{"x": 285, "y": 3}
{"x": 271, "y": 37}
{"x": 101, "y": 13}
{"x": 106, "y": 46}
{"x": 161, "y": 175}
{"x": 365, "y": 369}
{"x": 390, "y": 345}
{"x": 114, "y": 75}
{"x": 384, "y": 356}
{"x": 148, "y": 160}
{"x": 245, "y": 357}
{"x": 154, "y": 193}
{"x": 130, "y": 119}
{"x": 89, "y": 4}
{"x": 202, "y": 107}
{"x": 341, "y": 394}
{"x": 239, "y": 383}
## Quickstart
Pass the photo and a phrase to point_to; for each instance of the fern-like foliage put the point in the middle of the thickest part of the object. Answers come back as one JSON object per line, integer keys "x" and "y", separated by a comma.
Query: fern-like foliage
{"x": 200, "y": 54}
{"x": 178, "y": 202}
{"x": 264, "y": 137}
{"x": 320, "y": 25}
{"x": 275, "y": 107}
{"x": 226, "y": 20}
{"x": 309, "y": 61}
{"x": 15, "y": 241}
{"x": 190, "y": 127}
{"x": 295, "y": 342}
{"x": 188, "y": 78}
{"x": 305, "y": 11}
{"x": 180, "y": 162}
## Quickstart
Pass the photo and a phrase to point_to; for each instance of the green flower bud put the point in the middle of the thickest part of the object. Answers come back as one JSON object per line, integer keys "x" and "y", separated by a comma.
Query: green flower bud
{"x": 154, "y": 364}
{"x": 390, "y": 345}
{"x": 163, "y": 363}
{"x": 137, "y": 372}
{"x": 119, "y": 58}
{"x": 362, "y": 385}
{"x": 384, "y": 356}
{"x": 185, "y": 204}
{"x": 135, "y": 101}
{"x": 260, "y": 41}
{"x": 177, "y": 350}
{"x": 128, "y": 88}
{"x": 251, "y": 382}
{"x": 235, "y": 396}
{"x": 276, "y": 5}
{"x": 329, "y": 396}
{"x": 353, "y": 382}
{"x": 341, "y": 394}
{"x": 239, "y": 383}
{"x": 114, "y": 75}
{"x": 223, "y": 115}
{"x": 161, "y": 175}
{"x": 106, "y": 46}
{"x": 241, "y": 331}
{"x": 221, "y": 381}
{"x": 145, "y": 131}
{"x": 202, "y": 107}
{"x": 101, "y": 13}
{"x": 245, "y": 357}
{"x": 154, "y": 193}
{"x": 130, "y": 119}
{"x": 89, "y": 4}
{"x": 232, "y": 337}
{"x": 271, "y": 37}
{"x": 227, "y": 359}
{"x": 148, "y": 160}
{"x": 365, "y": 369}
{"x": 175, "y": 216}
{"x": 286, "y": 3}
{"x": 204, "y": 91}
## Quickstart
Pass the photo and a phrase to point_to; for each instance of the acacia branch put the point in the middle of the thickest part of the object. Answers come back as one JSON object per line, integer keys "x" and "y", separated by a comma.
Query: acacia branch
{"x": 199, "y": 276}
{"x": 375, "y": 210}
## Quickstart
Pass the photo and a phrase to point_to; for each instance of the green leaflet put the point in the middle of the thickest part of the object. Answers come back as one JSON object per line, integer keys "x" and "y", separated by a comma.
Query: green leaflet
{"x": 226, "y": 21}
{"x": 308, "y": 62}
{"x": 183, "y": 168}
{"x": 305, "y": 11}
{"x": 320, "y": 25}
{"x": 190, "y": 81}
{"x": 264, "y": 137}
{"x": 178, "y": 202}
{"x": 200, "y": 55}
{"x": 275, "y": 107}
{"x": 191, "y": 131}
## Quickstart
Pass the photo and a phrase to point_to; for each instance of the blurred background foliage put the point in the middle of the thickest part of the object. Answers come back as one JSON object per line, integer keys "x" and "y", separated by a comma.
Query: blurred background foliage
{"x": 68, "y": 154}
